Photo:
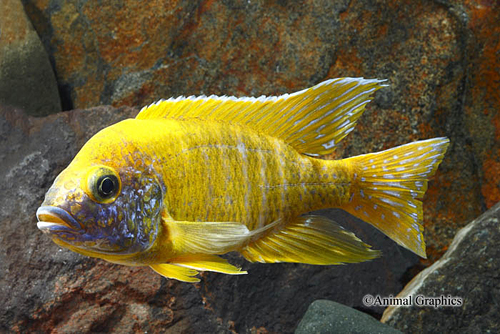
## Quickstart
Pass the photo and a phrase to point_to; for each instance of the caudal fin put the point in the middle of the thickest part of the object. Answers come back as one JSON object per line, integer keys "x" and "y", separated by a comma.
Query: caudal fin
{"x": 388, "y": 188}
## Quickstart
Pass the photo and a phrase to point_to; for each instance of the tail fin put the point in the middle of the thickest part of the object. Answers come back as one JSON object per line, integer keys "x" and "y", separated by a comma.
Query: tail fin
{"x": 389, "y": 186}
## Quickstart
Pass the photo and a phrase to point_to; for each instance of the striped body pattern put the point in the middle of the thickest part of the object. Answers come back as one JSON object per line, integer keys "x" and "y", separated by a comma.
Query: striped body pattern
{"x": 191, "y": 178}
{"x": 204, "y": 177}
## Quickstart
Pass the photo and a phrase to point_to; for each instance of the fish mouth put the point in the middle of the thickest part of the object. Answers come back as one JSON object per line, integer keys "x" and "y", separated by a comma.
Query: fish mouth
{"x": 52, "y": 218}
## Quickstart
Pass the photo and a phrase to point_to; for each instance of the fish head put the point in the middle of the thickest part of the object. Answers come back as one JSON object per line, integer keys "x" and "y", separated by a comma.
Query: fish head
{"x": 103, "y": 211}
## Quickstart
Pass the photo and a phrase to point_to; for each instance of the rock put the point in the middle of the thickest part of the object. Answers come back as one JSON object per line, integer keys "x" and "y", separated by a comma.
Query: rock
{"x": 440, "y": 58}
{"x": 44, "y": 288}
{"x": 27, "y": 80}
{"x": 325, "y": 316}
{"x": 468, "y": 273}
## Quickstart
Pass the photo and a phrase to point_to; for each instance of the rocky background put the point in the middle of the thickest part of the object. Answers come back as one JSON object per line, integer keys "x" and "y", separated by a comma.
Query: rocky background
{"x": 442, "y": 62}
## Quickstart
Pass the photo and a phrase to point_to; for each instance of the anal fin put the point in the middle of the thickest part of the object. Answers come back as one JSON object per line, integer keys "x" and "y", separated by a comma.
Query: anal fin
{"x": 312, "y": 240}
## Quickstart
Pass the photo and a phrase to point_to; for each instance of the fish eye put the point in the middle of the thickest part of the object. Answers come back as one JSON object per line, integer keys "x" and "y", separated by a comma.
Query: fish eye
{"x": 103, "y": 184}
{"x": 107, "y": 186}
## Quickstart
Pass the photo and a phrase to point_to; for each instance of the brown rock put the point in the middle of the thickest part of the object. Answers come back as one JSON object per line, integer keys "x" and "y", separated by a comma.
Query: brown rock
{"x": 27, "y": 80}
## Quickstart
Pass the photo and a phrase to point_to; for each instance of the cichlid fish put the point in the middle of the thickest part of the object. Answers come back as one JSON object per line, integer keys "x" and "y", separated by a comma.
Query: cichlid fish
{"x": 191, "y": 178}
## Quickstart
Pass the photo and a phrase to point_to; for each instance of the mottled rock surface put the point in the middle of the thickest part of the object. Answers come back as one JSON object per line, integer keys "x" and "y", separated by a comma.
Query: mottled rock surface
{"x": 440, "y": 58}
{"x": 469, "y": 270}
{"x": 325, "y": 316}
{"x": 27, "y": 80}
{"x": 45, "y": 288}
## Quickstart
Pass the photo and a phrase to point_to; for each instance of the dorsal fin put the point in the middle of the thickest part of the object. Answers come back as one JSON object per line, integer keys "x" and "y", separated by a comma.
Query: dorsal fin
{"x": 313, "y": 120}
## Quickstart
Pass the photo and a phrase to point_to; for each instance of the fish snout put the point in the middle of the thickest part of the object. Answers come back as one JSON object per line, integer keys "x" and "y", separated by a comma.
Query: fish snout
{"x": 52, "y": 217}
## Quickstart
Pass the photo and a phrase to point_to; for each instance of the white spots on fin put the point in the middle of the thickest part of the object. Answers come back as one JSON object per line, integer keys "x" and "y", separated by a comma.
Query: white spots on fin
{"x": 382, "y": 216}
{"x": 329, "y": 144}
{"x": 362, "y": 193}
{"x": 350, "y": 199}
{"x": 396, "y": 214}
{"x": 321, "y": 135}
{"x": 346, "y": 123}
{"x": 336, "y": 119}
{"x": 348, "y": 131}
{"x": 388, "y": 201}
{"x": 375, "y": 206}
{"x": 395, "y": 157}
{"x": 392, "y": 193}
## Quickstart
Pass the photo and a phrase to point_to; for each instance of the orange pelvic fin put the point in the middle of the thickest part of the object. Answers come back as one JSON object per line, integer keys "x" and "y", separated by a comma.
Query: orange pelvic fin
{"x": 389, "y": 185}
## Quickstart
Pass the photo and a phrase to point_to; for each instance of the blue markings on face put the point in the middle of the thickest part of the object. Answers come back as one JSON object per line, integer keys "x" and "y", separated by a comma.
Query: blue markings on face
{"x": 126, "y": 226}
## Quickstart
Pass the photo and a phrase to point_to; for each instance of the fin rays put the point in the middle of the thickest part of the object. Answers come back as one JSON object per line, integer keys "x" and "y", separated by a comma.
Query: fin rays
{"x": 389, "y": 188}
{"x": 313, "y": 120}
{"x": 309, "y": 239}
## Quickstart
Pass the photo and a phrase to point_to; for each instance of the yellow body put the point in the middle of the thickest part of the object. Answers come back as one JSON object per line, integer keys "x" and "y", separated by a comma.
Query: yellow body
{"x": 238, "y": 175}
{"x": 203, "y": 164}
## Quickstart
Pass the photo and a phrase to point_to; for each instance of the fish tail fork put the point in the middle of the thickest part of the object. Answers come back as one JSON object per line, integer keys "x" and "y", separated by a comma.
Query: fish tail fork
{"x": 388, "y": 186}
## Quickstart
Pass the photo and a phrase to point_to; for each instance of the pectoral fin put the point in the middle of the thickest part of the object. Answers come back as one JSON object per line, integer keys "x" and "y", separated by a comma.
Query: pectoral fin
{"x": 173, "y": 271}
{"x": 206, "y": 237}
{"x": 206, "y": 262}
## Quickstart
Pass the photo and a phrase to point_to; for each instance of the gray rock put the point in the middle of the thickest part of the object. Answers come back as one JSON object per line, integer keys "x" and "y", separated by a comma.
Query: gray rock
{"x": 469, "y": 274}
{"x": 27, "y": 80}
{"x": 325, "y": 316}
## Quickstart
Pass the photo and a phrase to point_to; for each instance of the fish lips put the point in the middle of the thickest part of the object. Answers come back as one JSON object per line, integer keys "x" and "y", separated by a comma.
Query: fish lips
{"x": 55, "y": 219}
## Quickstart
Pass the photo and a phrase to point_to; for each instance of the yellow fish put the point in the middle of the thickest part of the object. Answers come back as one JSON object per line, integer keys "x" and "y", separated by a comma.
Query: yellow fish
{"x": 191, "y": 178}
